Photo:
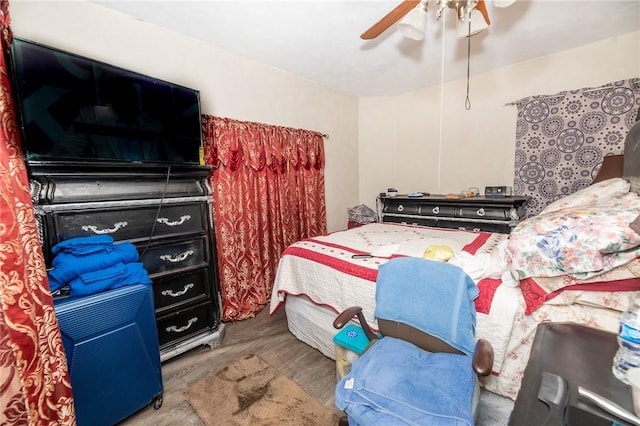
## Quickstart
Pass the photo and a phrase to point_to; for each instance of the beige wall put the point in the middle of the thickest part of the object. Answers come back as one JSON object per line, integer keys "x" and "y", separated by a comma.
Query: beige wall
{"x": 230, "y": 85}
{"x": 421, "y": 149}
{"x": 403, "y": 141}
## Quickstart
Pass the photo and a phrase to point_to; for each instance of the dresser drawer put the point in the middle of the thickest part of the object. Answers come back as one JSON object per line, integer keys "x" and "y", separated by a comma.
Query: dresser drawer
{"x": 401, "y": 206}
{"x": 436, "y": 210}
{"x": 176, "y": 256}
{"x": 435, "y": 223}
{"x": 483, "y": 212}
{"x": 171, "y": 292}
{"x": 502, "y": 228}
{"x": 450, "y": 224}
{"x": 185, "y": 323}
{"x": 411, "y": 220}
{"x": 97, "y": 182}
{"x": 131, "y": 223}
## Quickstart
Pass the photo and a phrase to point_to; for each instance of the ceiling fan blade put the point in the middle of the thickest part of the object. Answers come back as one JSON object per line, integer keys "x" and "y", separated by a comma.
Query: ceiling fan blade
{"x": 389, "y": 19}
{"x": 482, "y": 8}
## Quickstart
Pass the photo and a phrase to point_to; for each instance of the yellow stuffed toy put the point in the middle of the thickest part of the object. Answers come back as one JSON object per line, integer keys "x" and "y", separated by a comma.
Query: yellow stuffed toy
{"x": 439, "y": 253}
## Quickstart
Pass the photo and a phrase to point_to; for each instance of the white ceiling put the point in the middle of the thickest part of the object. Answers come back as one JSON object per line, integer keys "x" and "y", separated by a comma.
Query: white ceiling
{"x": 318, "y": 40}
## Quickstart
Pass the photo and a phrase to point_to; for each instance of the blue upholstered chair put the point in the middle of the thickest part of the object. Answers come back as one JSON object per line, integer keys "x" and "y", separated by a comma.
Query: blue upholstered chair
{"x": 424, "y": 370}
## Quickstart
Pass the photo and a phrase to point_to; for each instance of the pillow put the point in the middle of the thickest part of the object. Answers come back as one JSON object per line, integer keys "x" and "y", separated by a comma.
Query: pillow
{"x": 591, "y": 195}
{"x": 581, "y": 242}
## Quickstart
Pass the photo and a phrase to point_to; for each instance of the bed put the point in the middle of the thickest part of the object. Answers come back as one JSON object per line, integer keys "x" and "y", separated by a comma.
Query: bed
{"x": 576, "y": 261}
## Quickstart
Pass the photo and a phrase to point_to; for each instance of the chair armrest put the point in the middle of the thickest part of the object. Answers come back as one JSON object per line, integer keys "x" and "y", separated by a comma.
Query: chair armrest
{"x": 346, "y": 316}
{"x": 483, "y": 358}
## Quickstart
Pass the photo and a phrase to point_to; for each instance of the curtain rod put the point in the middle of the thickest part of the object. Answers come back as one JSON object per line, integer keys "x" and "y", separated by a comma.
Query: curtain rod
{"x": 593, "y": 89}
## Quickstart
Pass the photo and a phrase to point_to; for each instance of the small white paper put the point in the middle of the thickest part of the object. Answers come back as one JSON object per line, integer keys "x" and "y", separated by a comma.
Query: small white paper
{"x": 348, "y": 384}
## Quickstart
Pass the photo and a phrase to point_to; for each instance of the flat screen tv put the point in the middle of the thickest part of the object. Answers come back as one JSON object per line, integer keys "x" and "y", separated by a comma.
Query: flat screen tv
{"x": 72, "y": 108}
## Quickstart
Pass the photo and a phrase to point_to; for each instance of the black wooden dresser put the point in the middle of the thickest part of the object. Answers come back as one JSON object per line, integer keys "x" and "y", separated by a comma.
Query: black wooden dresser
{"x": 479, "y": 213}
{"x": 165, "y": 211}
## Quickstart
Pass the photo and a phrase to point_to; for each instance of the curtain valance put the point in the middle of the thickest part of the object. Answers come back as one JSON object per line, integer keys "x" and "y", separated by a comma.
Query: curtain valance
{"x": 242, "y": 143}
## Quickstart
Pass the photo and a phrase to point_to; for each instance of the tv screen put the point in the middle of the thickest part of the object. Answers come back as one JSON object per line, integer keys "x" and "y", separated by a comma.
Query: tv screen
{"x": 74, "y": 108}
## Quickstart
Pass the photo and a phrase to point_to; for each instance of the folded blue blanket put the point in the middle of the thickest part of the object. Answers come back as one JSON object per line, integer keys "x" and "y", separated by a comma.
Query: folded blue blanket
{"x": 68, "y": 266}
{"x": 109, "y": 278}
{"x": 85, "y": 245}
{"x": 435, "y": 297}
{"x": 395, "y": 382}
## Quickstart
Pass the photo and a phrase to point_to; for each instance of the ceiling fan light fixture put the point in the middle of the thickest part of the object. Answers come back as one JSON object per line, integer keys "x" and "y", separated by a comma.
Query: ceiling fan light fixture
{"x": 503, "y": 3}
{"x": 414, "y": 24}
{"x": 478, "y": 24}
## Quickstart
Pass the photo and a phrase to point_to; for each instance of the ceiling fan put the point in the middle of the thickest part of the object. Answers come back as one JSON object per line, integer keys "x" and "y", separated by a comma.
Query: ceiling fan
{"x": 414, "y": 17}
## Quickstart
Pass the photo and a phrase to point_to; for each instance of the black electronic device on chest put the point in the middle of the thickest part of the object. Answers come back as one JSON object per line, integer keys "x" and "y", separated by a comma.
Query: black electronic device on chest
{"x": 496, "y": 191}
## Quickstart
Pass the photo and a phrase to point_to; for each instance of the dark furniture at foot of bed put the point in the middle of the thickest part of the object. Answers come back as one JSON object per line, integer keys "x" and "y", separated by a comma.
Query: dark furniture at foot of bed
{"x": 583, "y": 356}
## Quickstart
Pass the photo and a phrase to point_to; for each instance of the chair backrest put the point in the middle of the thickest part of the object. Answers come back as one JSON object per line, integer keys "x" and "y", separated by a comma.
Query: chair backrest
{"x": 423, "y": 340}
{"x": 427, "y": 303}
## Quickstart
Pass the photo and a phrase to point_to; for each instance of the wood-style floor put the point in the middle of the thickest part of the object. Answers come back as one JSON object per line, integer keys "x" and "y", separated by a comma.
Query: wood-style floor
{"x": 269, "y": 338}
{"x": 265, "y": 336}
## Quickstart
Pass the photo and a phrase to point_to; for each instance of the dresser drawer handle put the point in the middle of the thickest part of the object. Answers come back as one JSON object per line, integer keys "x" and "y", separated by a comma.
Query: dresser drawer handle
{"x": 95, "y": 229}
{"x": 165, "y": 220}
{"x": 175, "y": 329}
{"x": 480, "y": 212}
{"x": 400, "y": 208}
{"x": 178, "y": 258}
{"x": 436, "y": 210}
{"x": 177, "y": 293}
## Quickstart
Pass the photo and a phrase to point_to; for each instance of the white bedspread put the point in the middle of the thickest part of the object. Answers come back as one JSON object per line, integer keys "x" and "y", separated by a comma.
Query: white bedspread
{"x": 323, "y": 270}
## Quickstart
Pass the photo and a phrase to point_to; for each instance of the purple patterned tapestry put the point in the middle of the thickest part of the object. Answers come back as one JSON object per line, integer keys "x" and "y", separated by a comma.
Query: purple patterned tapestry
{"x": 562, "y": 139}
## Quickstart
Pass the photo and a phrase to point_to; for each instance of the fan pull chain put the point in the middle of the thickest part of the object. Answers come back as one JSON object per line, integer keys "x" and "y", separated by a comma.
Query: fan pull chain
{"x": 441, "y": 118}
{"x": 467, "y": 102}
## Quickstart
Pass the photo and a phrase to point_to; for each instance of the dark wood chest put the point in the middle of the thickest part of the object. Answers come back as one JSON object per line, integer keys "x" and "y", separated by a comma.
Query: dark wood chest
{"x": 490, "y": 214}
{"x": 165, "y": 211}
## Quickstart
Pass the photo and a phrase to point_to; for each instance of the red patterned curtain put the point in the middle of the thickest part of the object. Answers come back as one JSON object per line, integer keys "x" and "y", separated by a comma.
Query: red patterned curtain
{"x": 34, "y": 381}
{"x": 268, "y": 192}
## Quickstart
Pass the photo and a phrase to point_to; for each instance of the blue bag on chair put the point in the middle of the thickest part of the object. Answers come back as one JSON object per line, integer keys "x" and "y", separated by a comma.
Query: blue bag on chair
{"x": 396, "y": 383}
